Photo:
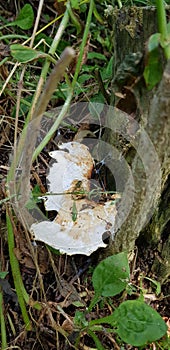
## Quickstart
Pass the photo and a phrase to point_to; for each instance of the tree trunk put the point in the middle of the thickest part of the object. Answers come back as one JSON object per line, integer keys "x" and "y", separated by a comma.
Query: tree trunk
{"x": 144, "y": 139}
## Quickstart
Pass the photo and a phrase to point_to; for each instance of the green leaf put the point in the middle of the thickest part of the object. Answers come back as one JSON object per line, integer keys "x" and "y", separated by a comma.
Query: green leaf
{"x": 74, "y": 19}
{"x": 97, "y": 100}
{"x": 53, "y": 250}
{"x": 111, "y": 276}
{"x": 154, "y": 42}
{"x": 74, "y": 212}
{"x": 3, "y": 274}
{"x": 96, "y": 15}
{"x": 80, "y": 320}
{"x": 153, "y": 69}
{"x": 30, "y": 205}
{"x": 83, "y": 78}
{"x": 138, "y": 324}
{"x": 77, "y": 303}
{"x": 97, "y": 55}
{"x": 75, "y": 4}
{"x": 157, "y": 284}
{"x": 25, "y": 54}
{"x": 107, "y": 72}
{"x": 25, "y": 18}
{"x": 36, "y": 192}
{"x": 95, "y": 108}
{"x": 96, "y": 340}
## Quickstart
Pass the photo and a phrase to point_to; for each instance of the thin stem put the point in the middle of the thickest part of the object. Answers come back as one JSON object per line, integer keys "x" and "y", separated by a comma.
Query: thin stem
{"x": 41, "y": 2}
{"x": 84, "y": 41}
{"x": 28, "y": 137}
{"x": 42, "y": 79}
{"x": 16, "y": 271}
{"x": 45, "y": 69}
{"x": 14, "y": 36}
{"x": 55, "y": 126}
{"x": 162, "y": 26}
{"x": 2, "y": 322}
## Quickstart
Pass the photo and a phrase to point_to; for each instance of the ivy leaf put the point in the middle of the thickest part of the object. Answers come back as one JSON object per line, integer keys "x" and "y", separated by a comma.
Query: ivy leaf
{"x": 25, "y": 54}
{"x": 111, "y": 276}
{"x": 138, "y": 324}
{"x": 25, "y": 18}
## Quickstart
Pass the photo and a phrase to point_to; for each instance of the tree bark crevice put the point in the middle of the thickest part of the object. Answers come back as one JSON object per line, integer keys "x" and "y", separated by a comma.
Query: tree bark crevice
{"x": 150, "y": 163}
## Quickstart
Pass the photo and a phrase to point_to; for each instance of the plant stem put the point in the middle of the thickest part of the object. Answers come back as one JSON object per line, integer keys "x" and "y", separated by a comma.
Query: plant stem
{"x": 20, "y": 289}
{"x": 21, "y": 185}
{"x": 11, "y": 173}
{"x": 83, "y": 44}
{"x": 55, "y": 126}
{"x": 2, "y": 322}
{"x": 95, "y": 339}
{"x": 45, "y": 69}
{"x": 69, "y": 97}
{"x": 162, "y": 27}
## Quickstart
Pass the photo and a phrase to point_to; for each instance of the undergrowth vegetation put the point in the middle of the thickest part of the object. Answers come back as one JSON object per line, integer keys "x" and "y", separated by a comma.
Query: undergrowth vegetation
{"x": 41, "y": 307}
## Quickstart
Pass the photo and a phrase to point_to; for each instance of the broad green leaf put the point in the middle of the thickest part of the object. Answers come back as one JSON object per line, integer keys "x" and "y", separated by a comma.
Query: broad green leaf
{"x": 111, "y": 275}
{"x": 154, "y": 42}
{"x": 153, "y": 69}
{"x": 75, "y": 4}
{"x": 25, "y": 18}
{"x": 138, "y": 324}
{"x": 25, "y": 54}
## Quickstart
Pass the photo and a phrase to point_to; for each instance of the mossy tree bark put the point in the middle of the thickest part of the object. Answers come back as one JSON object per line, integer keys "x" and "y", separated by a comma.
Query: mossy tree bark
{"x": 151, "y": 109}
